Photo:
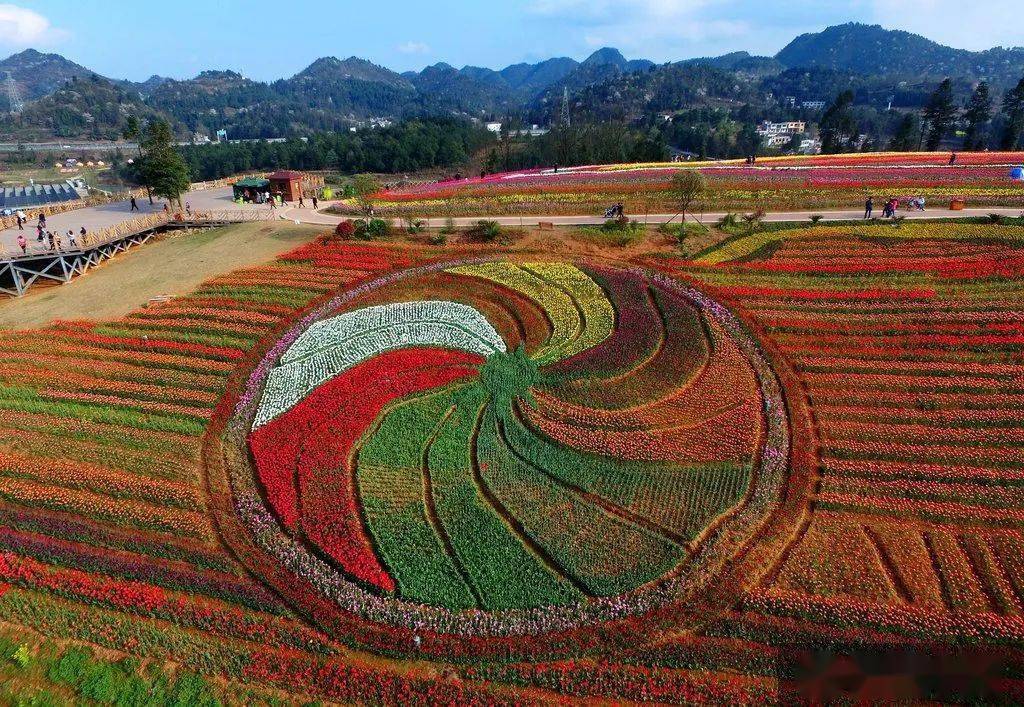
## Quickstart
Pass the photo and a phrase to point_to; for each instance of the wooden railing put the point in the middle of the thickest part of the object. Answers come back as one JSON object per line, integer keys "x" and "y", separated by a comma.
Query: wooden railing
{"x": 60, "y": 207}
{"x": 133, "y": 226}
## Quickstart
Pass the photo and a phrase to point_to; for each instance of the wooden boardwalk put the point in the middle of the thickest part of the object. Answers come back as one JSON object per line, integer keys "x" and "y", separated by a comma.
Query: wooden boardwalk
{"x": 39, "y": 263}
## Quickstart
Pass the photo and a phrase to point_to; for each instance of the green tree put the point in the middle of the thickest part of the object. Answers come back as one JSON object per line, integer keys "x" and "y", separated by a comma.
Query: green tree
{"x": 163, "y": 170}
{"x": 939, "y": 114}
{"x": 978, "y": 112}
{"x": 686, "y": 187}
{"x": 1013, "y": 107}
{"x": 906, "y": 137}
{"x": 133, "y": 131}
{"x": 837, "y": 124}
{"x": 364, "y": 187}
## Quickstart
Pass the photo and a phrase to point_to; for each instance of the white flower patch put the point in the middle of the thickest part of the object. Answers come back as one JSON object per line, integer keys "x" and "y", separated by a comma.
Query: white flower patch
{"x": 332, "y": 346}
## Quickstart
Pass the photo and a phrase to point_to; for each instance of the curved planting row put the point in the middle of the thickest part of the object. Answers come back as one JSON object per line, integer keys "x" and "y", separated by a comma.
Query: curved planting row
{"x": 418, "y": 465}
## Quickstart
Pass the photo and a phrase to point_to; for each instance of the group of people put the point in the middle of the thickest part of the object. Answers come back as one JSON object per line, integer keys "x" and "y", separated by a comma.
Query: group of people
{"x": 614, "y": 211}
{"x": 50, "y": 239}
{"x": 892, "y": 205}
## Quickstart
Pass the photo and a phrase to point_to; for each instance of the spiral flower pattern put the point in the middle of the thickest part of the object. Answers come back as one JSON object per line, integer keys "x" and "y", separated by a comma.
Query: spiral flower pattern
{"x": 544, "y": 434}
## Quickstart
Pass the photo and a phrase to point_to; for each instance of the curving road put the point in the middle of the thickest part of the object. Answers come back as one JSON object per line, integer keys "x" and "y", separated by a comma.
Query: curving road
{"x": 95, "y": 218}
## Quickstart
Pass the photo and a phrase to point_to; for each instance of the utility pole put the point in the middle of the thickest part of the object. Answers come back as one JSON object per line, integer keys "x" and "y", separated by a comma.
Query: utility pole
{"x": 566, "y": 120}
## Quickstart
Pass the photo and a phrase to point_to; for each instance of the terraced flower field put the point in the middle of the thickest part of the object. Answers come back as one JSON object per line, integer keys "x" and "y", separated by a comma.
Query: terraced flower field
{"x": 366, "y": 473}
{"x": 775, "y": 183}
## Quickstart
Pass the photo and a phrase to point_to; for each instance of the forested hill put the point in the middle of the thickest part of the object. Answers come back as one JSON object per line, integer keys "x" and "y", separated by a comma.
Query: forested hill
{"x": 871, "y": 49}
{"x": 333, "y": 94}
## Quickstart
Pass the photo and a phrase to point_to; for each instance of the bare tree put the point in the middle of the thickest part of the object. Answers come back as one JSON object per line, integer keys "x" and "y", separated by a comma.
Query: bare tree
{"x": 687, "y": 186}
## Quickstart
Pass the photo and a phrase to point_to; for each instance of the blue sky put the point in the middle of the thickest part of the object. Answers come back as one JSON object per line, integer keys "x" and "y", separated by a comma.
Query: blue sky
{"x": 127, "y": 40}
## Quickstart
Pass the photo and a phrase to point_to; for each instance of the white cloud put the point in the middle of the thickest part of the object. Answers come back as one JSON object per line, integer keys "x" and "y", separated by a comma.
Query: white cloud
{"x": 414, "y": 48}
{"x": 666, "y": 30}
{"x": 982, "y": 25}
{"x": 21, "y": 27}
{"x": 655, "y": 29}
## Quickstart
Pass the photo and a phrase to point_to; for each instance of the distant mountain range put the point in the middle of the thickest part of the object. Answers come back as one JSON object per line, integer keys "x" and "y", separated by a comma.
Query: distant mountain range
{"x": 332, "y": 94}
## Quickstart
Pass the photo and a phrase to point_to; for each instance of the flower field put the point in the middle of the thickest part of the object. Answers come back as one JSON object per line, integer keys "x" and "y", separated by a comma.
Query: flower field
{"x": 376, "y": 474}
{"x": 778, "y": 183}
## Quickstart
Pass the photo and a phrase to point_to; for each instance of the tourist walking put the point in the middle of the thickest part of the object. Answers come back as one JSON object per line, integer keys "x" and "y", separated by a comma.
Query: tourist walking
{"x": 39, "y": 233}
{"x": 952, "y": 158}
{"x": 52, "y": 239}
{"x": 188, "y": 209}
{"x": 135, "y": 205}
{"x": 869, "y": 207}
{"x": 302, "y": 202}
{"x": 71, "y": 239}
{"x": 82, "y": 234}
{"x": 21, "y": 222}
{"x": 316, "y": 202}
{"x": 23, "y": 244}
{"x": 42, "y": 219}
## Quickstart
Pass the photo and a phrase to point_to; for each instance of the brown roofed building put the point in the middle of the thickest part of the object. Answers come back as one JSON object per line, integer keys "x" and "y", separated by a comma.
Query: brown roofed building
{"x": 288, "y": 183}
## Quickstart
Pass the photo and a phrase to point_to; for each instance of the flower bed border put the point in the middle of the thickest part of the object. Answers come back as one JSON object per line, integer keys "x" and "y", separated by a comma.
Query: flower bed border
{"x": 392, "y": 625}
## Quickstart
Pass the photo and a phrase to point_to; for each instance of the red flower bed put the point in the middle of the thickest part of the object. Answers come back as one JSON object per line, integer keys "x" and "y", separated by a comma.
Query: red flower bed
{"x": 303, "y": 456}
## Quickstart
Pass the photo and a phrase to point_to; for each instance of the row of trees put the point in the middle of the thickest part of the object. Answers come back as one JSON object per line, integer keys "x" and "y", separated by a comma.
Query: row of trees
{"x": 939, "y": 119}
{"x": 407, "y": 147}
{"x": 578, "y": 144}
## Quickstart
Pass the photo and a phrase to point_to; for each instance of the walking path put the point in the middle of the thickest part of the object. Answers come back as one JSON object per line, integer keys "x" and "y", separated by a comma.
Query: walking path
{"x": 96, "y": 218}
{"x": 313, "y": 217}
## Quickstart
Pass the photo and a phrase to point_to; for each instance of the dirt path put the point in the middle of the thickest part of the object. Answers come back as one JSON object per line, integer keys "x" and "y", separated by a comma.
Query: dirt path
{"x": 174, "y": 265}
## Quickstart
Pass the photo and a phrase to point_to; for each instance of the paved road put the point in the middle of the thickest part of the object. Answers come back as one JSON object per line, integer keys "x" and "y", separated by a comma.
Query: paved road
{"x": 310, "y": 216}
{"x": 96, "y": 218}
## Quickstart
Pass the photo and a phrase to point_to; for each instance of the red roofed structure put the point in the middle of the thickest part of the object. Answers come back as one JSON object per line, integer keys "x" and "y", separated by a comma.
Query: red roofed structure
{"x": 288, "y": 183}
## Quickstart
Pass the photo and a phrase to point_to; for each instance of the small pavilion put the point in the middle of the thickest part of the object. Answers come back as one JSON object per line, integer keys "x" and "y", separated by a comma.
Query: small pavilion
{"x": 287, "y": 183}
{"x": 251, "y": 189}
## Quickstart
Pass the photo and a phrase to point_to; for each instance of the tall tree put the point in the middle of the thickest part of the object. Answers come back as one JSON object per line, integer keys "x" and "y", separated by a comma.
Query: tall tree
{"x": 364, "y": 186}
{"x": 978, "y": 112}
{"x": 686, "y": 187}
{"x": 1013, "y": 107}
{"x": 837, "y": 124}
{"x": 939, "y": 114}
{"x": 133, "y": 131}
{"x": 906, "y": 137}
{"x": 163, "y": 169}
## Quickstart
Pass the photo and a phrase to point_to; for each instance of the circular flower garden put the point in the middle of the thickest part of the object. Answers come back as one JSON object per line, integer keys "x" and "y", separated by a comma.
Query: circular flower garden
{"x": 498, "y": 448}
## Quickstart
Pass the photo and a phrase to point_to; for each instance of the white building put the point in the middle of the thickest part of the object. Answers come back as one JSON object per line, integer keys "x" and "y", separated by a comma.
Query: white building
{"x": 813, "y": 105}
{"x": 810, "y": 146}
{"x": 792, "y": 127}
{"x": 532, "y": 131}
{"x": 780, "y": 134}
{"x": 493, "y": 127}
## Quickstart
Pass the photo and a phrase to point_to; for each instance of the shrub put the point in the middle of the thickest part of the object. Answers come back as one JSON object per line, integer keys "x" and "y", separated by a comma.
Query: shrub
{"x": 488, "y": 232}
{"x": 439, "y": 239}
{"x": 619, "y": 232}
{"x": 995, "y": 218}
{"x": 378, "y": 228}
{"x": 345, "y": 230}
{"x": 369, "y": 230}
{"x": 728, "y": 221}
{"x": 816, "y": 217}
